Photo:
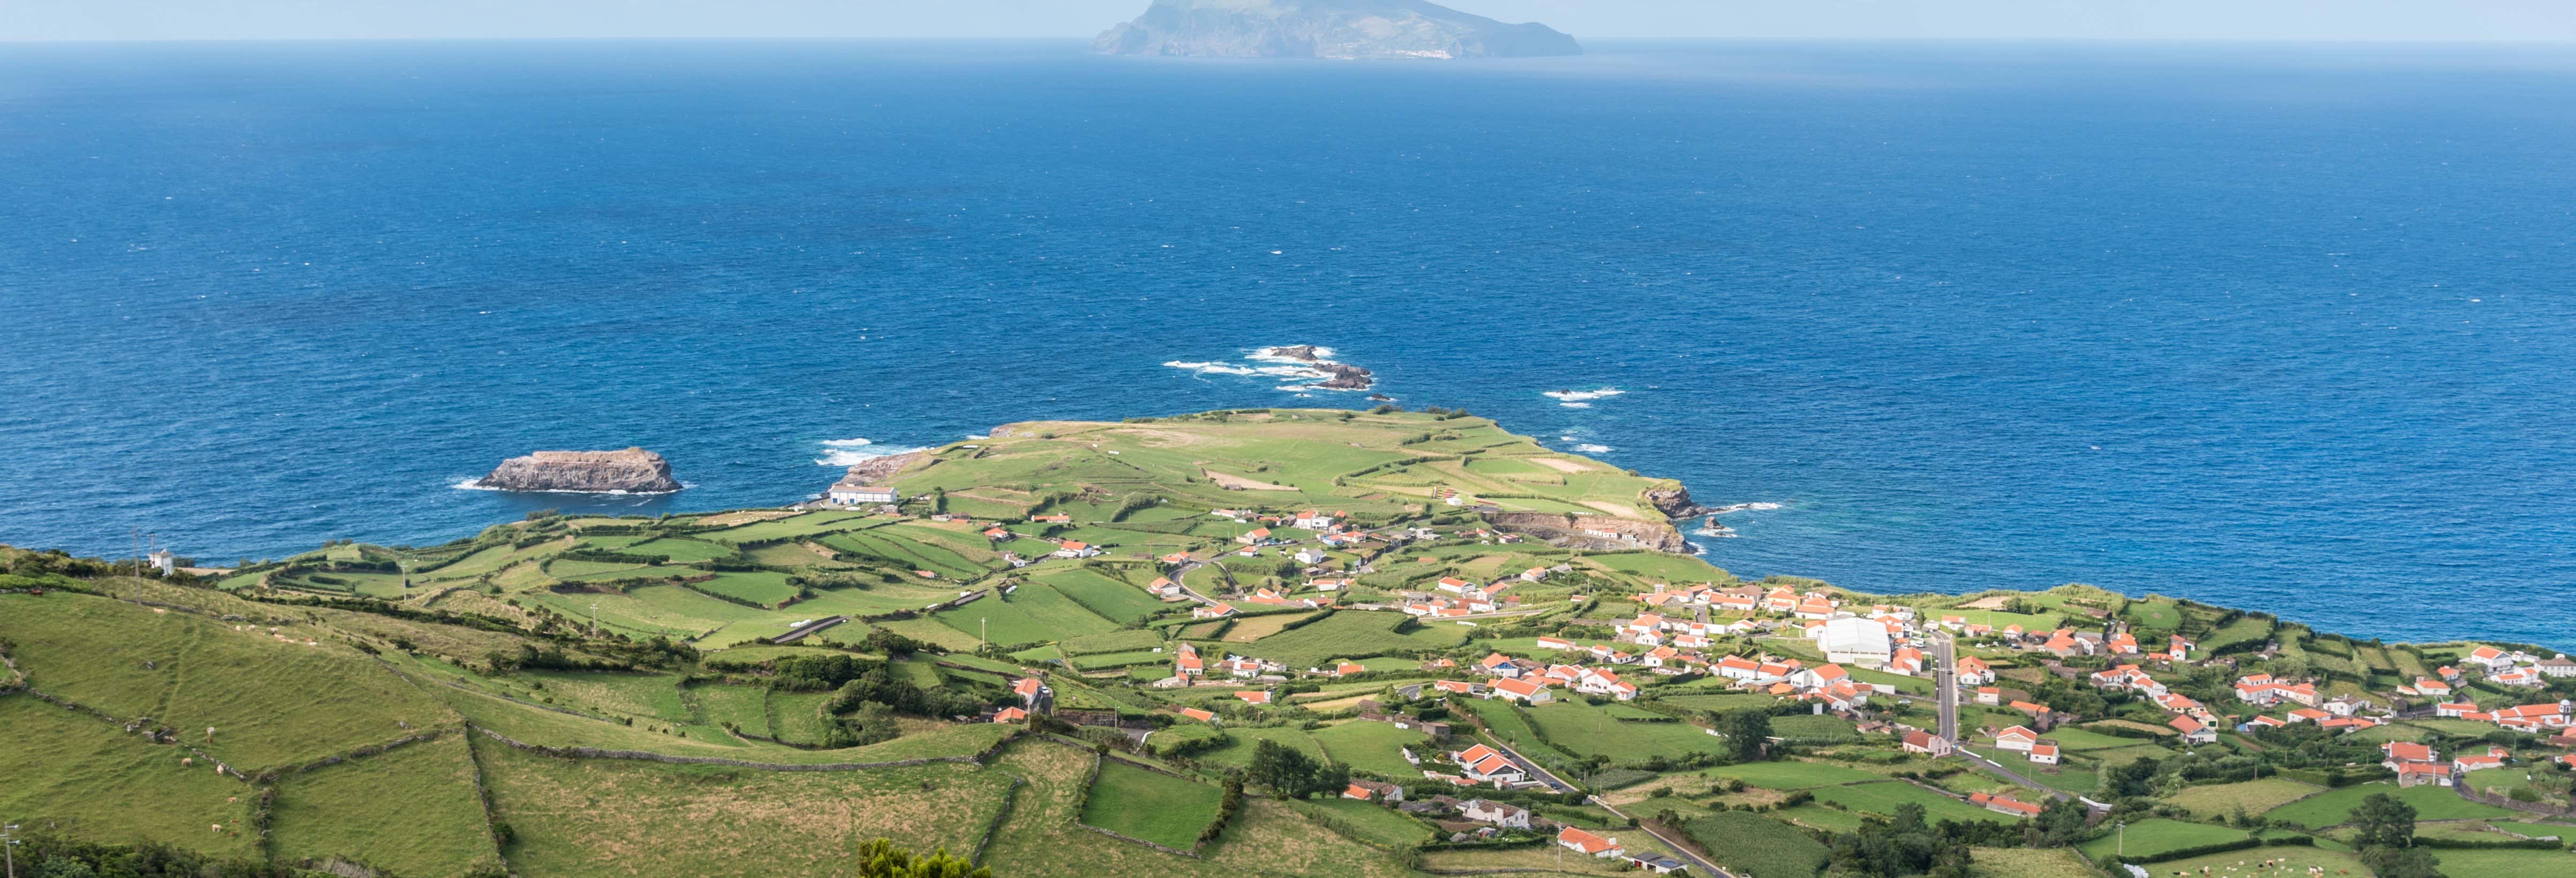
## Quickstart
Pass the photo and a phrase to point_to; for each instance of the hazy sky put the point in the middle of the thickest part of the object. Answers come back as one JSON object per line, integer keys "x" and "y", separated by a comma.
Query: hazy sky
{"x": 2545, "y": 20}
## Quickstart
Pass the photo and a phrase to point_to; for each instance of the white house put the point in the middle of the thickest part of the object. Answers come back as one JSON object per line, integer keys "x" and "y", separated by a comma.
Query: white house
{"x": 849, "y": 493}
{"x": 1857, "y": 641}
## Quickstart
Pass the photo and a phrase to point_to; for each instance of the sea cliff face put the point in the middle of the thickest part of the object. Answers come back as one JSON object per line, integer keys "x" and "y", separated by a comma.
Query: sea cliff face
{"x": 632, "y": 470}
{"x": 1326, "y": 29}
{"x": 1593, "y": 531}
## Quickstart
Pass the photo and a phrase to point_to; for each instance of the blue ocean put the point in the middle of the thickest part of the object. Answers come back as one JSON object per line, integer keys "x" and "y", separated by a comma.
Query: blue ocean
{"x": 2277, "y": 327}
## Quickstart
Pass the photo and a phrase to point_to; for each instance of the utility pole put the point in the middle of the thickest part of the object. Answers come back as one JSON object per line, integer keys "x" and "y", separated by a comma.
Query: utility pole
{"x": 9, "y": 843}
{"x": 2122, "y": 845}
{"x": 594, "y": 619}
{"x": 136, "y": 534}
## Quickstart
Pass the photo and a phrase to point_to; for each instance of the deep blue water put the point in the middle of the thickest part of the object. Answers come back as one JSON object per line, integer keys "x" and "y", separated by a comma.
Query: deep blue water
{"x": 2270, "y": 327}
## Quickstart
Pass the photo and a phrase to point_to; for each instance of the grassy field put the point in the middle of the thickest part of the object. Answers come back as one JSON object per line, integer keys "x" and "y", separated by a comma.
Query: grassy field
{"x": 761, "y": 587}
{"x": 2028, "y": 863}
{"x": 1150, "y": 805}
{"x": 2333, "y": 807}
{"x": 1239, "y": 752}
{"x": 2519, "y": 864}
{"x": 1114, "y": 641}
{"x": 1793, "y": 775}
{"x": 2254, "y": 796}
{"x": 1590, "y": 730}
{"x": 75, "y": 772}
{"x": 1747, "y": 842}
{"x": 611, "y": 817}
{"x": 1370, "y": 746}
{"x": 344, "y": 811}
{"x": 1040, "y": 839}
{"x": 1034, "y": 613}
{"x": 1106, "y": 597}
{"x": 1883, "y": 797}
{"x": 1366, "y": 822}
{"x": 681, "y": 550}
{"x": 2290, "y": 862}
{"x": 2158, "y": 835}
{"x": 272, "y": 701}
{"x": 1350, "y": 634}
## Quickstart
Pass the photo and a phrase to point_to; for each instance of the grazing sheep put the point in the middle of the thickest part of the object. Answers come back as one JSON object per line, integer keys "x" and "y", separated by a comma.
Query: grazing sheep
{"x": 185, "y": 761}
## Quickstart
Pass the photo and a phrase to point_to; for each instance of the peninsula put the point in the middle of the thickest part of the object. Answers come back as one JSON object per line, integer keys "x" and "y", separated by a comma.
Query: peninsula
{"x": 1376, "y": 643}
{"x": 1346, "y": 29}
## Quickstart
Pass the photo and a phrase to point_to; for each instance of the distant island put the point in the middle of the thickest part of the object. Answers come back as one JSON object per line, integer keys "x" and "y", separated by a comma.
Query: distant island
{"x": 1326, "y": 29}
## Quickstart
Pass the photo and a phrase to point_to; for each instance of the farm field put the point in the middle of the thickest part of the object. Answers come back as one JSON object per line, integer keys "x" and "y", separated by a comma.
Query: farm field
{"x": 613, "y": 817}
{"x": 1350, "y": 634}
{"x": 1780, "y": 775}
{"x": 1592, "y": 730}
{"x": 1035, "y": 613}
{"x": 1882, "y": 798}
{"x": 1156, "y": 807}
{"x": 427, "y": 789}
{"x": 2028, "y": 863}
{"x": 2146, "y": 838}
{"x": 1372, "y": 747}
{"x": 1366, "y": 822}
{"x": 272, "y": 698}
{"x": 1753, "y": 843}
{"x": 2333, "y": 807}
{"x": 1239, "y": 753}
{"x": 2254, "y": 796}
{"x": 75, "y": 771}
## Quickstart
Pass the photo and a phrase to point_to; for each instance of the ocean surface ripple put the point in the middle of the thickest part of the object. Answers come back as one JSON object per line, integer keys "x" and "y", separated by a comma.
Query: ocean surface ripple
{"x": 2282, "y": 329}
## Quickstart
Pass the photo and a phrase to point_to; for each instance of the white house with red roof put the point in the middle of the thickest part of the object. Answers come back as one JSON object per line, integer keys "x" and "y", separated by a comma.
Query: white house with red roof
{"x": 1523, "y": 691}
{"x": 1484, "y": 765}
{"x": 2003, "y": 805}
{"x": 2016, "y": 739}
{"x": 1587, "y": 843}
{"x": 2193, "y": 730}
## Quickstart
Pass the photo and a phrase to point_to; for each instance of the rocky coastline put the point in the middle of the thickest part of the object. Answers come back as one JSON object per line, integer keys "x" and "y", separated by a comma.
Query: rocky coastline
{"x": 625, "y": 471}
{"x": 1338, "y": 375}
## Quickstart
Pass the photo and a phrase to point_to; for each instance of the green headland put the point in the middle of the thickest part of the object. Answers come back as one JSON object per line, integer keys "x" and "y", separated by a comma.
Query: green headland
{"x": 1272, "y": 642}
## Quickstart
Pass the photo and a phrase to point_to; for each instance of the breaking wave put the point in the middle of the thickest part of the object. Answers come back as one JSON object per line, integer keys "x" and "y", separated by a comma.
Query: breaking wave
{"x": 1590, "y": 448}
{"x": 852, "y": 452}
{"x": 1583, "y": 395}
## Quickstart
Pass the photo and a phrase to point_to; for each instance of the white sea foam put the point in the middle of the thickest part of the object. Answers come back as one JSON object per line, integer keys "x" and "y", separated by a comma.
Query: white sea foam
{"x": 1213, "y": 368}
{"x": 1589, "y": 448}
{"x": 852, "y": 452}
{"x": 1574, "y": 405}
{"x": 1271, "y": 354}
{"x": 1583, "y": 395}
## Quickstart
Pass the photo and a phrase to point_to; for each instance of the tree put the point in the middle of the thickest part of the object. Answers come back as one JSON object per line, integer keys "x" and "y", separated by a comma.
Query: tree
{"x": 2383, "y": 821}
{"x": 1289, "y": 771}
{"x": 881, "y": 859}
{"x": 1747, "y": 732}
{"x": 2389, "y": 862}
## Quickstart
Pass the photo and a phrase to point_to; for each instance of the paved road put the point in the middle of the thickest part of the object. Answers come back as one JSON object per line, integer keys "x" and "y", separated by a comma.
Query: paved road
{"x": 1945, "y": 680}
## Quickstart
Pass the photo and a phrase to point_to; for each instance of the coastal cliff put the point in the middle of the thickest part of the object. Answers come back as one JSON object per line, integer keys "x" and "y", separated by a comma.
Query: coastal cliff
{"x": 875, "y": 470}
{"x": 631, "y": 470}
{"x": 1593, "y": 531}
{"x": 1347, "y": 29}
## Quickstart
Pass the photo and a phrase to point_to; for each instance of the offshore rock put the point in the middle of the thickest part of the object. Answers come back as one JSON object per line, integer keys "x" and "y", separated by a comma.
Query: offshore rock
{"x": 1326, "y": 29}
{"x": 1674, "y": 502}
{"x": 628, "y": 471}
